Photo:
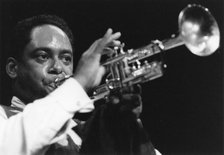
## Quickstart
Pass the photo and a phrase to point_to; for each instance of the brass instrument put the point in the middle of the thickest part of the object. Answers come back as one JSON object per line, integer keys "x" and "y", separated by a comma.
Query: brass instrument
{"x": 198, "y": 30}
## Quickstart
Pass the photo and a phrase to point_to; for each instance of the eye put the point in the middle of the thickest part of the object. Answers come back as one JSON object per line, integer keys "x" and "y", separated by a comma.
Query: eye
{"x": 42, "y": 56}
{"x": 66, "y": 59}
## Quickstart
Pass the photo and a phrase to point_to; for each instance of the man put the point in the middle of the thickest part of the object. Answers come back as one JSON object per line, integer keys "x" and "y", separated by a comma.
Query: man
{"x": 42, "y": 51}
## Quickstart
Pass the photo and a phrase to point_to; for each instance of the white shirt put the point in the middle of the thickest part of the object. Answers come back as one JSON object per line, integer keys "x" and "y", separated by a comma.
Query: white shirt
{"x": 43, "y": 122}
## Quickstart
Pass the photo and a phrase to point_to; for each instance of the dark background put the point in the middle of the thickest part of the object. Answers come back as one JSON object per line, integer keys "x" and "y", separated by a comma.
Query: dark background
{"x": 183, "y": 110}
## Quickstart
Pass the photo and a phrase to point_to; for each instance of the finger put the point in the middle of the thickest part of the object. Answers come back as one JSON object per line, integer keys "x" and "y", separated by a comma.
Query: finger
{"x": 108, "y": 51}
{"x": 95, "y": 50}
{"x": 112, "y": 37}
{"x": 108, "y": 33}
{"x": 109, "y": 36}
{"x": 101, "y": 71}
{"x": 110, "y": 48}
{"x": 133, "y": 100}
{"x": 114, "y": 99}
{"x": 127, "y": 89}
{"x": 137, "y": 111}
{"x": 98, "y": 46}
{"x": 134, "y": 89}
{"x": 114, "y": 43}
{"x": 100, "y": 74}
{"x": 131, "y": 103}
{"x": 137, "y": 89}
{"x": 107, "y": 39}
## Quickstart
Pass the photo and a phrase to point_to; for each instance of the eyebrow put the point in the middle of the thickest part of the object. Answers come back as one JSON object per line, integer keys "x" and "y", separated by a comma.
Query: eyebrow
{"x": 63, "y": 51}
{"x": 66, "y": 52}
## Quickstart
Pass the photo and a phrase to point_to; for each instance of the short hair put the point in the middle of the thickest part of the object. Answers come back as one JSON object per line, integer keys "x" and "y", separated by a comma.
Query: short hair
{"x": 21, "y": 34}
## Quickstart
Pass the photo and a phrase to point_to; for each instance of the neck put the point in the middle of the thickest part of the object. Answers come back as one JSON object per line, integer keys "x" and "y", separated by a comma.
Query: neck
{"x": 24, "y": 95}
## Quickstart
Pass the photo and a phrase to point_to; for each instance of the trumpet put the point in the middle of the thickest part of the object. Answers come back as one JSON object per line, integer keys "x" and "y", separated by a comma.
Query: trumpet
{"x": 198, "y": 31}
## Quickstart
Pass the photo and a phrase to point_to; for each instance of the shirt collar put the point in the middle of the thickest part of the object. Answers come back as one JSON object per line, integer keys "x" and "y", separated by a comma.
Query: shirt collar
{"x": 17, "y": 103}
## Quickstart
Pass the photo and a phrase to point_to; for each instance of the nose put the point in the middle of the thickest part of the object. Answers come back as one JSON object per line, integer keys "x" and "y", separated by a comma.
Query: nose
{"x": 56, "y": 67}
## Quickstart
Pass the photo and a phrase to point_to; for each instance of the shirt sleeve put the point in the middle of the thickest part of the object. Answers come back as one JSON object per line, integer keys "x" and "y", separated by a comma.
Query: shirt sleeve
{"x": 157, "y": 152}
{"x": 32, "y": 130}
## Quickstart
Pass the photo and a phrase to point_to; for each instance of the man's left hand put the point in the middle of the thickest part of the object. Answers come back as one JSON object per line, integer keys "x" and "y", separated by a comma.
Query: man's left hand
{"x": 127, "y": 100}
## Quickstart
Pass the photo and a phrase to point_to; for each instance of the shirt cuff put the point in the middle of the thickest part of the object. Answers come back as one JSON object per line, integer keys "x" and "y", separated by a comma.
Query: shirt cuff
{"x": 72, "y": 97}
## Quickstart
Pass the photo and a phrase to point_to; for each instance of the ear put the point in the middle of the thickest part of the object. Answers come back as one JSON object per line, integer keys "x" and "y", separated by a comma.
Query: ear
{"x": 12, "y": 67}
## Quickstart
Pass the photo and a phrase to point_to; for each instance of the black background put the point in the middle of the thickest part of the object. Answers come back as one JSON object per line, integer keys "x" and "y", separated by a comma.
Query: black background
{"x": 183, "y": 110}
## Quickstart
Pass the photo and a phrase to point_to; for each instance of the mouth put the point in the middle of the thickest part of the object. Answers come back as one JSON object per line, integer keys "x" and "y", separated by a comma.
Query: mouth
{"x": 53, "y": 83}
{"x": 52, "y": 86}
{"x": 49, "y": 85}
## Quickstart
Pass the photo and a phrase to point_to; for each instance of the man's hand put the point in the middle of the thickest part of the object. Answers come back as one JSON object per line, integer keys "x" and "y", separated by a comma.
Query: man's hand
{"x": 128, "y": 101}
{"x": 89, "y": 72}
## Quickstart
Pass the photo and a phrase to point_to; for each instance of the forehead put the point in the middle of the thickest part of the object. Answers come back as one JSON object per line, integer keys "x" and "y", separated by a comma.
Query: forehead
{"x": 50, "y": 36}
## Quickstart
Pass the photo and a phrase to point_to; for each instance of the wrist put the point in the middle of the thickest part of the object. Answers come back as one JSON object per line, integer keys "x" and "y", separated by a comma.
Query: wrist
{"x": 82, "y": 81}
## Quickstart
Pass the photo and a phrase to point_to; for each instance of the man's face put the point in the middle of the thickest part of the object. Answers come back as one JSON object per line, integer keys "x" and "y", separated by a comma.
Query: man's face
{"x": 46, "y": 57}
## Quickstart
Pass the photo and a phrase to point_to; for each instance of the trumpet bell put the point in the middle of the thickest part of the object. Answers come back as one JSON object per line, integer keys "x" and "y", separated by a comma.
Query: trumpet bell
{"x": 199, "y": 30}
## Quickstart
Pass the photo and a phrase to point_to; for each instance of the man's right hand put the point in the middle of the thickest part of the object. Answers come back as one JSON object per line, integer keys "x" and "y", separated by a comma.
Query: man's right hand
{"x": 89, "y": 72}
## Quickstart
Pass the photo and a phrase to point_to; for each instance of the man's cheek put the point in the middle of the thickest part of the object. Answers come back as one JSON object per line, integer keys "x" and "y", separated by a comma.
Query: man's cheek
{"x": 43, "y": 70}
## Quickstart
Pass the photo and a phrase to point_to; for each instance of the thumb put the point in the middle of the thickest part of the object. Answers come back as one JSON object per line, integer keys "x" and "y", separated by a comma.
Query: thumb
{"x": 101, "y": 71}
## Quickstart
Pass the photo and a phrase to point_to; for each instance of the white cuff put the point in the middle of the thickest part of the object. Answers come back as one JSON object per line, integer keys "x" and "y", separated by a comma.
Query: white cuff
{"x": 72, "y": 97}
